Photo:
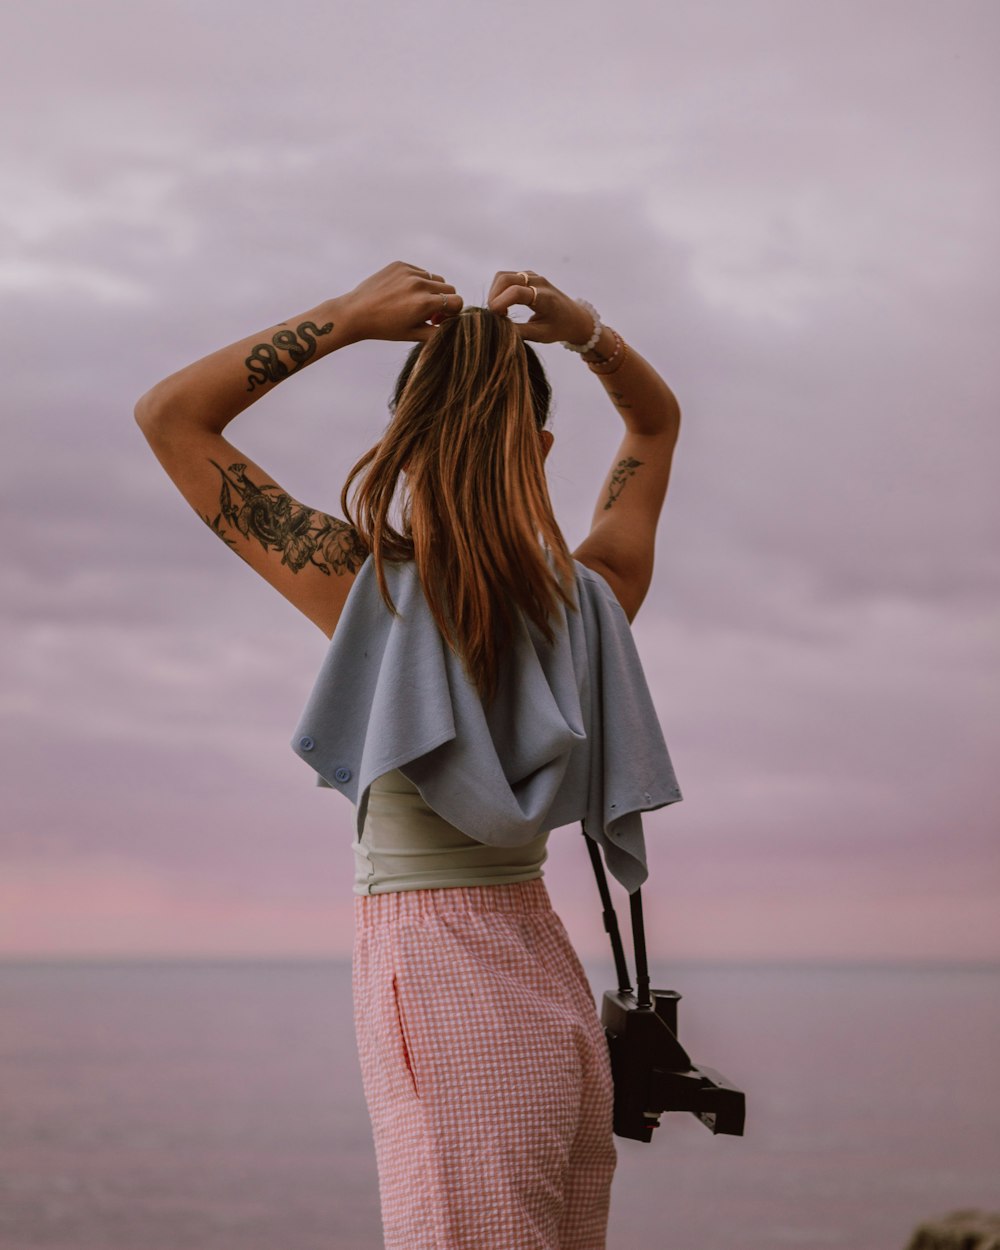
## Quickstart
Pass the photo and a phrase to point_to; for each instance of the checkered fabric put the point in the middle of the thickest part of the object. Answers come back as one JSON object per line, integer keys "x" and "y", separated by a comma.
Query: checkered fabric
{"x": 485, "y": 1070}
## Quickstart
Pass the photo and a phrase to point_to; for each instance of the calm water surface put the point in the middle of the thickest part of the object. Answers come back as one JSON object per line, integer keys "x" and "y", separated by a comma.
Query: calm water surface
{"x": 187, "y": 1106}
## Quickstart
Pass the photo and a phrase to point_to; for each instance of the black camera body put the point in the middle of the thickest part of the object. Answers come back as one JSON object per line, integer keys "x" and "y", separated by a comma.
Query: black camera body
{"x": 653, "y": 1072}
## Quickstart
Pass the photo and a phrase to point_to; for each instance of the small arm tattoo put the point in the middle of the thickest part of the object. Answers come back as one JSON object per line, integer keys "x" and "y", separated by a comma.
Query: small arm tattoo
{"x": 266, "y": 365}
{"x": 623, "y": 470}
{"x": 302, "y": 535}
{"x": 618, "y": 397}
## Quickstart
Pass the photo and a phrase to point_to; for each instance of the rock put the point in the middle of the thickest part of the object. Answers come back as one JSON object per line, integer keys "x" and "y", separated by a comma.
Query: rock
{"x": 958, "y": 1230}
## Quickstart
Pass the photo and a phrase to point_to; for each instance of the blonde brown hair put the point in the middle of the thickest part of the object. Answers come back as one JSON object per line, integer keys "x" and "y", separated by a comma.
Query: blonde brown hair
{"x": 467, "y": 409}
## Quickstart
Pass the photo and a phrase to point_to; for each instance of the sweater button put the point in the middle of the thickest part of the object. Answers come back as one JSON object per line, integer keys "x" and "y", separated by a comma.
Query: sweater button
{"x": 343, "y": 774}
{"x": 306, "y": 743}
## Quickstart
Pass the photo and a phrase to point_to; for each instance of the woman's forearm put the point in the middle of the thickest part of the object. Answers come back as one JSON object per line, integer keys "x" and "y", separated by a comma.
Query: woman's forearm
{"x": 646, "y": 403}
{"x": 216, "y": 388}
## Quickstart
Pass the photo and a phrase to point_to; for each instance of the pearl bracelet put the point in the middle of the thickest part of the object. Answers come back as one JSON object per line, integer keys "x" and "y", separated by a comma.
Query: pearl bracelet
{"x": 597, "y": 330}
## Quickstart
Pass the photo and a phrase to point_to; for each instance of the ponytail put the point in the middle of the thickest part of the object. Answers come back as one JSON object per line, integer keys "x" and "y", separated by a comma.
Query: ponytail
{"x": 477, "y": 519}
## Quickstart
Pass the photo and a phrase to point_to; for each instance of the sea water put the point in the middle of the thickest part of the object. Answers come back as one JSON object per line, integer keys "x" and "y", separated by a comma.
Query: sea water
{"x": 218, "y": 1106}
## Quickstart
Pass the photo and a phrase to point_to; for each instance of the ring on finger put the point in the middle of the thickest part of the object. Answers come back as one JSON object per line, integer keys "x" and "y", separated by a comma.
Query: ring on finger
{"x": 523, "y": 274}
{"x": 534, "y": 296}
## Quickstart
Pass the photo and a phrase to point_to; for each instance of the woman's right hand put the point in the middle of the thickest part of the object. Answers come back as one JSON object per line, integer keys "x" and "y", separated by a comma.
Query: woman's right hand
{"x": 557, "y": 318}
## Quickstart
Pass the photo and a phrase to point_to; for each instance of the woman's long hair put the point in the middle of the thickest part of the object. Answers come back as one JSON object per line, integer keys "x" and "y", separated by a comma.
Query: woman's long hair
{"x": 467, "y": 409}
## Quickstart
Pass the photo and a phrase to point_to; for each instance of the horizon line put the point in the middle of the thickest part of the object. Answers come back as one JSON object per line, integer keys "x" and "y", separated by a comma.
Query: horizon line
{"x": 263, "y": 958}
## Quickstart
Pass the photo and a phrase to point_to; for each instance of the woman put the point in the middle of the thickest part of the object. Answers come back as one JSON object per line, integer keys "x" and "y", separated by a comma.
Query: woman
{"x": 484, "y": 1063}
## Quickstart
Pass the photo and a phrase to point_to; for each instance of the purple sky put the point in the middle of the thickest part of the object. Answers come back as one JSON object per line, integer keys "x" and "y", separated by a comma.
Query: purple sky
{"x": 790, "y": 208}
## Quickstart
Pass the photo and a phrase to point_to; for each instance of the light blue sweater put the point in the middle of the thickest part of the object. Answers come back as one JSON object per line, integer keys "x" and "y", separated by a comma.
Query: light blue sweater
{"x": 572, "y": 736}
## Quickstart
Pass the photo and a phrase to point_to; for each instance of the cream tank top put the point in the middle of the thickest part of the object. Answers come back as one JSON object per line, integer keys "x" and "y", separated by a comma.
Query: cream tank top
{"x": 406, "y": 845}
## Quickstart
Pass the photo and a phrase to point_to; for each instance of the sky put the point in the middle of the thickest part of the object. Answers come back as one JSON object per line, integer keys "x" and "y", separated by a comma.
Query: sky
{"x": 790, "y": 208}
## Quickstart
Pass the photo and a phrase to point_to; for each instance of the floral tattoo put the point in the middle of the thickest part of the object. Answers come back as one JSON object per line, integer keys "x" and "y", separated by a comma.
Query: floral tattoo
{"x": 623, "y": 470}
{"x": 302, "y": 535}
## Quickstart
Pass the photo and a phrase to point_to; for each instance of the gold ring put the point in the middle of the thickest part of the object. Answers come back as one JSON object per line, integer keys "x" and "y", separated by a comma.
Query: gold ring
{"x": 444, "y": 300}
{"x": 522, "y": 274}
{"x": 534, "y": 296}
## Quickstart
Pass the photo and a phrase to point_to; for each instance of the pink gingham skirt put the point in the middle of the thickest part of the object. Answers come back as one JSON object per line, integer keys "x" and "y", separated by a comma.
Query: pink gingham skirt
{"x": 485, "y": 1070}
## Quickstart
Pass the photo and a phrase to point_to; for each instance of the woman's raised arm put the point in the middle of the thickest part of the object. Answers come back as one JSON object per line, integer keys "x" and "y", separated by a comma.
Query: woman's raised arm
{"x": 622, "y": 536}
{"x": 306, "y": 554}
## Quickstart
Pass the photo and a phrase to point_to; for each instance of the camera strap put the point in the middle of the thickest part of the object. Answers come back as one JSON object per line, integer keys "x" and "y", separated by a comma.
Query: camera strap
{"x": 643, "y": 998}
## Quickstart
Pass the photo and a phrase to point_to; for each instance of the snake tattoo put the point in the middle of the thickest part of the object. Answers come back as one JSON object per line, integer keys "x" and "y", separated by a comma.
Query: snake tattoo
{"x": 266, "y": 365}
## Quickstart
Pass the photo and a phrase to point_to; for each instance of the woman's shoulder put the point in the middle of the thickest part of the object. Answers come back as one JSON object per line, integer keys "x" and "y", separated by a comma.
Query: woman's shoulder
{"x": 603, "y": 580}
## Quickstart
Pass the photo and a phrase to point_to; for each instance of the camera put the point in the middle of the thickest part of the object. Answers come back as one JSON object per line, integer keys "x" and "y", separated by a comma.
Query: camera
{"x": 653, "y": 1072}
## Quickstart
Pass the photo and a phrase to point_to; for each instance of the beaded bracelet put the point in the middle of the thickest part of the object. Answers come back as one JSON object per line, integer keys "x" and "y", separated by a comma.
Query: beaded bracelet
{"x": 614, "y": 355}
{"x": 597, "y": 329}
{"x": 613, "y": 363}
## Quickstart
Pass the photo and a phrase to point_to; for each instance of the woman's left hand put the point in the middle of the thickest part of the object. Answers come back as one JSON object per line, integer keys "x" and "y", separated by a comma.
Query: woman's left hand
{"x": 397, "y": 303}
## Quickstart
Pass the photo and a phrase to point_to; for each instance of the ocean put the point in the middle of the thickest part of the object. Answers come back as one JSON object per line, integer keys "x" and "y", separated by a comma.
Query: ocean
{"x": 218, "y": 1106}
